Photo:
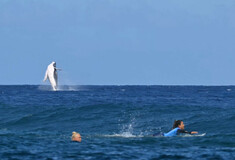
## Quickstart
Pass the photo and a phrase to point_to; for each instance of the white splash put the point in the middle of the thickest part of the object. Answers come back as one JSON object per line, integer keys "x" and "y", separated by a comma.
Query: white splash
{"x": 127, "y": 131}
{"x": 124, "y": 135}
{"x": 68, "y": 88}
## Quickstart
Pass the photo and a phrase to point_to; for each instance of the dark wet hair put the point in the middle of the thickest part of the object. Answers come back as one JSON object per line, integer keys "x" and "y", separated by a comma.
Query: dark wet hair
{"x": 176, "y": 123}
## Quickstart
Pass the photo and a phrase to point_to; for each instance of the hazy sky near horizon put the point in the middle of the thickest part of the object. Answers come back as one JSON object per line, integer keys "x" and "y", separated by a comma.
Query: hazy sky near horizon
{"x": 118, "y": 42}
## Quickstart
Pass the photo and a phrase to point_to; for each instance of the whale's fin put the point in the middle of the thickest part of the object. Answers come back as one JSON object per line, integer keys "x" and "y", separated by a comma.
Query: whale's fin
{"x": 58, "y": 69}
{"x": 46, "y": 76}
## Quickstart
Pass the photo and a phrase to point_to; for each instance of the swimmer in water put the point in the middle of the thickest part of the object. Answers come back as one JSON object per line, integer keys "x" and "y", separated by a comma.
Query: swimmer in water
{"x": 76, "y": 137}
{"x": 178, "y": 128}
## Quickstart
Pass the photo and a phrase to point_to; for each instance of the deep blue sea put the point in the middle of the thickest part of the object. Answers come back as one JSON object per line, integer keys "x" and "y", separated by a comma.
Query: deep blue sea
{"x": 116, "y": 122}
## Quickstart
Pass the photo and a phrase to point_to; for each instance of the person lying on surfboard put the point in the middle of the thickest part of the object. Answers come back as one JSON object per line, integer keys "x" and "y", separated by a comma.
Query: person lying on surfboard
{"x": 178, "y": 128}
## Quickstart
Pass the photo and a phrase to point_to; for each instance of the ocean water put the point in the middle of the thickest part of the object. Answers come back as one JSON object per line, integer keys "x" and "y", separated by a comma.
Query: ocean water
{"x": 116, "y": 122}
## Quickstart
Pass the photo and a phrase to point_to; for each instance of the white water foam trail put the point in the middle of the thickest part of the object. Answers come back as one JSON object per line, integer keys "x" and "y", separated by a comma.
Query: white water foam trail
{"x": 124, "y": 135}
{"x": 127, "y": 131}
{"x": 68, "y": 88}
{"x": 61, "y": 88}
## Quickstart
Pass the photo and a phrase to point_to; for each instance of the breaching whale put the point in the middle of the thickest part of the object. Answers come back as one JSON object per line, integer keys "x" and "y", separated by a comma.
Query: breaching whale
{"x": 51, "y": 74}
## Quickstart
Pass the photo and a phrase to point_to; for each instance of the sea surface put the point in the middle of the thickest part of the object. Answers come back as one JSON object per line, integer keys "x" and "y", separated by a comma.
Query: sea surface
{"x": 116, "y": 122}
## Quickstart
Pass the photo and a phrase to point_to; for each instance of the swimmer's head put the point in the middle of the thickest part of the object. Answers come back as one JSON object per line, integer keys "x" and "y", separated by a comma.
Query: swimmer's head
{"x": 178, "y": 123}
{"x": 76, "y": 137}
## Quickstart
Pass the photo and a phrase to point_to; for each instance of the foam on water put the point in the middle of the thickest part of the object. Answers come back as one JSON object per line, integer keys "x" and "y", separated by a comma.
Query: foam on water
{"x": 60, "y": 88}
{"x": 68, "y": 88}
{"x": 124, "y": 135}
{"x": 127, "y": 131}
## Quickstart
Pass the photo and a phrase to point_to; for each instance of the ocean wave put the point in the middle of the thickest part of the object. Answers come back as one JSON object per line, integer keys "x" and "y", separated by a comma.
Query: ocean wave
{"x": 116, "y": 121}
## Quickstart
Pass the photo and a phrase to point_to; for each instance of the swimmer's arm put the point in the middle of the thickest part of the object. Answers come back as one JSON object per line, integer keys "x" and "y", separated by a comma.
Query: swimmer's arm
{"x": 194, "y": 132}
{"x": 183, "y": 131}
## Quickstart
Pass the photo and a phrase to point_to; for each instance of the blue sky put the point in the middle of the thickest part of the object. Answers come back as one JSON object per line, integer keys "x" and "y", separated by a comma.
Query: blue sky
{"x": 118, "y": 42}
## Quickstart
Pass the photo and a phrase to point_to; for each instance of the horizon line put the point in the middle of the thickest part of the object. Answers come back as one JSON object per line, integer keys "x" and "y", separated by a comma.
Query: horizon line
{"x": 121, "y": 85}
